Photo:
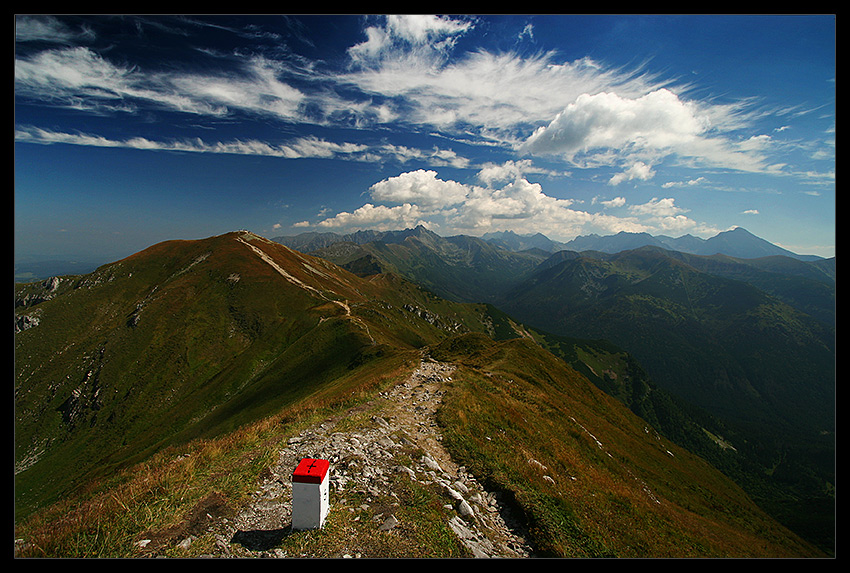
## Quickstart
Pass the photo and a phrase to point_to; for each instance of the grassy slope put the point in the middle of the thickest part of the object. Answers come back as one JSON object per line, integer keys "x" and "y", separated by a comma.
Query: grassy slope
{"x": 200, "y": 383}
{"x": 617, "y": 489}
{"x": 189, "y": 339}
{"x": 761, "y": 365}
{"x": 185, "y": 339}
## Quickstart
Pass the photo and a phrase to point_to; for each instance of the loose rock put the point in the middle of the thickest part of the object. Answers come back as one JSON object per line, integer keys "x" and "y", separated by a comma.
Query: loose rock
{"x": 362, "y": 462}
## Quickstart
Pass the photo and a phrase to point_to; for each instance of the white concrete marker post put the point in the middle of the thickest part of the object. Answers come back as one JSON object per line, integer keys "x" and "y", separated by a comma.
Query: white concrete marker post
{"x": 310, "y": 501}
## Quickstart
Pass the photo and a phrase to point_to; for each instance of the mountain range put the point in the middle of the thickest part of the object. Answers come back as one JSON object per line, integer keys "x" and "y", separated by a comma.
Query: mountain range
{"x": 190, "y": 340}
{"x": 750, "y": 340}
{"x": 737, "y": 242}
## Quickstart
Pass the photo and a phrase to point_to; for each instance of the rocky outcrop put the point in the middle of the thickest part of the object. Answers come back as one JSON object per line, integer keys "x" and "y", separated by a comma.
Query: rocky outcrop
{"x": 26, "y": 321}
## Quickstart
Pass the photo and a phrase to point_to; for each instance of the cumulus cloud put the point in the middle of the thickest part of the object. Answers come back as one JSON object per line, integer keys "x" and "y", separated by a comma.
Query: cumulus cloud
{"x": 379, "y": 217}
{"x": 654, "y": 125}
{"x": 420, "y": 187}
{"x": 421, "y": 197}
{"x": 615, "y": 202}
{"x": 664, "y": 216}
{"x": 494, "y": 173}
{"x": 655, "y": 121}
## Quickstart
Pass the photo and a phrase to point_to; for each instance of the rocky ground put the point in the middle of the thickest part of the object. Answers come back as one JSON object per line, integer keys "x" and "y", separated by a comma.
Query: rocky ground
{"x": 364, "y": 466}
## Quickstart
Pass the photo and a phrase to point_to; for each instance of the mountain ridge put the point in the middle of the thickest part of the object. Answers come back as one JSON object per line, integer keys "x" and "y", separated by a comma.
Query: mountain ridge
{"x": 145, "y": 365}
{"x": 737, "y": 242}
{"x": 778, "y": 300}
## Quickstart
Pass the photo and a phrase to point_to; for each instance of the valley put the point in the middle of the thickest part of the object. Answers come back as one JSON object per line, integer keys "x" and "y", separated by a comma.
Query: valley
{"x": 189, "y": 342}
{"x": 744, "y": 345}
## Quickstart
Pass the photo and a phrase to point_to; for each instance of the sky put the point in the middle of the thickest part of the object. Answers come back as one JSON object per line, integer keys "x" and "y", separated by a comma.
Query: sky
{"x": 131, "y": 130}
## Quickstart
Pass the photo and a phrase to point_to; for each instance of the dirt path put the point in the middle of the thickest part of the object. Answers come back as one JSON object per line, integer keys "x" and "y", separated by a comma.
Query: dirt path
{"x": 362, "y": 462}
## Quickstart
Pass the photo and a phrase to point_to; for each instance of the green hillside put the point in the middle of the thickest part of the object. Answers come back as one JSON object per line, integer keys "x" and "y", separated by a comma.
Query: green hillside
{"x": 187, "y": 339}
{"x": 741, "y": 349}
{"x": 718, "y": 342}
{"x": 192, "y": 342}
{"x": 764, "y": 367}
{"x": 592, "y": 479}
{"x": 461, "y": 268}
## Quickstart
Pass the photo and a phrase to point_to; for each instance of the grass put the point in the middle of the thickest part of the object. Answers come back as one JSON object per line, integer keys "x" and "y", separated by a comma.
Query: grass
{"x": 108, "y": 516}
{"x": 614, "y": 489}
{"x": 510, "y": 403}
{"x": 170, "y": 496}
{"x": 507, "y": 404}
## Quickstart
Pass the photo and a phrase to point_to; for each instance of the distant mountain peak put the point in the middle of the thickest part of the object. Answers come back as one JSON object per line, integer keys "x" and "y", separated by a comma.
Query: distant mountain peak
{"x": 737, "y": 242}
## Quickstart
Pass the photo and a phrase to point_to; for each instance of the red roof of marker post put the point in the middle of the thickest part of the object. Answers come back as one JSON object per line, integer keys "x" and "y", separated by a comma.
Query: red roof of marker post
{"x": 311, "y": 470}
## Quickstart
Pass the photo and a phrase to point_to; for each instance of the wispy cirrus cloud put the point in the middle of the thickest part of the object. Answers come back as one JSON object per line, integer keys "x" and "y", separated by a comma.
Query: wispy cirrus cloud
{"x": 307, "y": 147}
{"x": 48, "y": 29}
{"x": 407, "y": 73}
{"x": 80, "y": 78}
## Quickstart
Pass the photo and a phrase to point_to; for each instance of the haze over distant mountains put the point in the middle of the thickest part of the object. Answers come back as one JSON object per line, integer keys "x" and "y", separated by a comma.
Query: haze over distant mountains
{"x": 737, "y": 242}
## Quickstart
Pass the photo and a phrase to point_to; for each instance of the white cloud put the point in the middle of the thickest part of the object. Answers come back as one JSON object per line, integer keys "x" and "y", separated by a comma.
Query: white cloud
{"x": 255, "y": 89}
{"x": 454, "y": 206}
{"x": 403, "y": 73}
{"x": 665, "y": 217}
{"x": 639, "y": 170}
{"x": 688, "y": 183}
{"x": 424, "y": 28}
{"x": 400, "y": 32}
{"x": 508, "y": 171}
{"x": 406, "y": 71}
{"x": 80, "y": 78}
{"x": 420, "y": 197}
{"x": 615, "y": 202}
{"x": 497, "y": 95}
{"x": 420, "y": 187}
{"x": 655, "y": 121}
{"x": 658, "y": 208}
{"x": 378, "y": 217}
{"x": 606, "y": 127}
{"x": 299, "y": 148}
{"x": 45, "y": 29}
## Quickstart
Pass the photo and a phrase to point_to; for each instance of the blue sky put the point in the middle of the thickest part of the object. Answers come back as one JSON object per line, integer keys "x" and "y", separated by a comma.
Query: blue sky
{"x": 132, "y": 130}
